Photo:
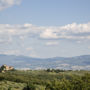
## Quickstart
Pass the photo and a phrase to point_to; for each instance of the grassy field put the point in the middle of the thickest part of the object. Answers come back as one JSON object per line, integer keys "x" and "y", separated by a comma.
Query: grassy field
{"x": 45, "y": 80}
{"x": 5, "y": 85}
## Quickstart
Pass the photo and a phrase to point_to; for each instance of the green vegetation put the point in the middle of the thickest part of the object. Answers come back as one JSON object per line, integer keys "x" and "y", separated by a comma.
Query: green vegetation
{"x": 45, "y": 80}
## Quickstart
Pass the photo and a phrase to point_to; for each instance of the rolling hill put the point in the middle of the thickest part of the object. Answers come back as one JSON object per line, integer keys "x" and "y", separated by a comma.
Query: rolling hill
{"x": 68, "y": 63}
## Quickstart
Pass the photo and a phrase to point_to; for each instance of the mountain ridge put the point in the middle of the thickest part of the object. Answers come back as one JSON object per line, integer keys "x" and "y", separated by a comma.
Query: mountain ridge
{"x": 76, "y": 62}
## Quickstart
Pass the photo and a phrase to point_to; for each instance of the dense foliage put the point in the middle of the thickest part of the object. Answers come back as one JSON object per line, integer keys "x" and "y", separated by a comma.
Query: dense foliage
{"x": 45, "y": 80}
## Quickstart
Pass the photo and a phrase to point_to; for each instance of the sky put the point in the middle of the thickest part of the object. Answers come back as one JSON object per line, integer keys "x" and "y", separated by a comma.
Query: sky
{"x": 45, "y": 28}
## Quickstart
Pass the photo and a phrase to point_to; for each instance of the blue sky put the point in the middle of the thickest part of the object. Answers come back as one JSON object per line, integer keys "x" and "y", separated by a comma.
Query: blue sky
{"x": 47, "y": 12}
{"x": 45, "y": 28}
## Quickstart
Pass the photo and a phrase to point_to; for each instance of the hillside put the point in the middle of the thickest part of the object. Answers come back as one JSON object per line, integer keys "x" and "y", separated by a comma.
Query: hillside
{"x": 45, "y": 80}
{"x": 23, "y": 62}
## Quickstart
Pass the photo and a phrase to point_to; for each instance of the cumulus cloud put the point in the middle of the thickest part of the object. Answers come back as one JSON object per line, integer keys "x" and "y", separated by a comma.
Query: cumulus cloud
{"x": 8, "y": 3}
{"x": 24, "y": 36}
{"x": 69, "y": 32}
{"x": 49, "y": 33}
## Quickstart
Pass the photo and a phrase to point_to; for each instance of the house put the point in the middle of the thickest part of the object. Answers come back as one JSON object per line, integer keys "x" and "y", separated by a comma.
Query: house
{"x": 4, "y": 68}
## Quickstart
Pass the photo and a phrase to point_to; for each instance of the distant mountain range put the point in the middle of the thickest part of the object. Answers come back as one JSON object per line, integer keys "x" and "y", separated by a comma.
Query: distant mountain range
{"x": 67, "y": 63}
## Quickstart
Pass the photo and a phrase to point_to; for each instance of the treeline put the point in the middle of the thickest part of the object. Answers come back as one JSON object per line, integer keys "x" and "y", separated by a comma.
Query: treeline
{"x": 49, "y": 79}
{"x": 56, "y": 70}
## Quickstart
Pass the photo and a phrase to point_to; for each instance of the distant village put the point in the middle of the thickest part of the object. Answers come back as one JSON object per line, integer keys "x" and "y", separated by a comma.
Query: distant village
{"x": 5, "y": 68}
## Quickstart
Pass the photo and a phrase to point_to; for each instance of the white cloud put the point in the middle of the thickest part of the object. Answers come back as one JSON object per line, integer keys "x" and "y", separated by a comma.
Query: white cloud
{"x": 11, "y": 52}
{"x": 49, "y": 33}
{"x": 78, "y": 42}
{"x": 88, "y": 47}
{"x": 22, "y": 36}
{"x": 8, "y": 3}
{"x": 52, "y": 43}
{"x": 5, "y": 40}
{"x": 71, "y": 32}
{"x": 29, "y": 48}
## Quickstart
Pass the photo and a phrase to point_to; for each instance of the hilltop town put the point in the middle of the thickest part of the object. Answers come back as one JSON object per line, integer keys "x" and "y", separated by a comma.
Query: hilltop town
{"x": 5, "y": 68}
